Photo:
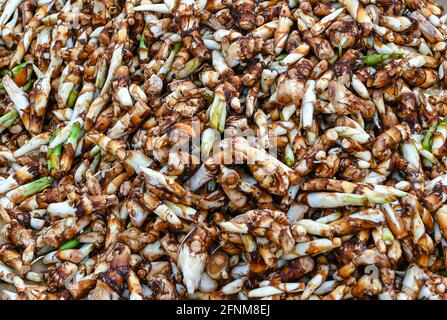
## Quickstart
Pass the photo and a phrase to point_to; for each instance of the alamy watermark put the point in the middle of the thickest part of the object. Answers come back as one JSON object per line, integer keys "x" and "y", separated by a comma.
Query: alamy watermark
{"x": 372, "y": 270}
{"x": 231, "y": 147}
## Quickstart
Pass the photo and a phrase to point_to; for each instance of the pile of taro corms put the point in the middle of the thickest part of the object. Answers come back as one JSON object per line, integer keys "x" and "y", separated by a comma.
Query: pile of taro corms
{"x": 223, "y": 149}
